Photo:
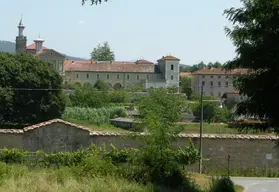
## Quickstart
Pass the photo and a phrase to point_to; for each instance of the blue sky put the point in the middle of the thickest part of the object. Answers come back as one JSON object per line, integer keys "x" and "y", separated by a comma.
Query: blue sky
{"x": 190, "y": 30}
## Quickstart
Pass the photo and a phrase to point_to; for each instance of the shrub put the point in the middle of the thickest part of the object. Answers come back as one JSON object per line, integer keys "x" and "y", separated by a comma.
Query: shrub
{"x": 95, "y": 116}
{"x": 221, "y": 184}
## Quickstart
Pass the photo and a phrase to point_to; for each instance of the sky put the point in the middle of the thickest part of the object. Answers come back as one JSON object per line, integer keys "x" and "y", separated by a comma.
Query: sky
{"x": 135, "y": 29}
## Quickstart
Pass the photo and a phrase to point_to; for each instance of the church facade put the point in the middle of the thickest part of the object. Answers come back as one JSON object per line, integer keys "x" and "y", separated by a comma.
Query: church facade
{"x": 141, "y": 73}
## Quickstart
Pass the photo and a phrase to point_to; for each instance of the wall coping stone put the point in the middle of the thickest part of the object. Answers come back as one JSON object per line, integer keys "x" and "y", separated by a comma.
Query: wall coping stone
{"x": 11, "y": 131}
{"x": 104, "y": 133}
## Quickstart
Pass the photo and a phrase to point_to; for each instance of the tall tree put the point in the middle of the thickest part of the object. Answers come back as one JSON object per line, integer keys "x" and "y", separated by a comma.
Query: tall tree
{"x": 30, "y": 90}
{"x": 255, "y": 33}
{"x": 102, "y": 53}
{"x": 185, "y": 86}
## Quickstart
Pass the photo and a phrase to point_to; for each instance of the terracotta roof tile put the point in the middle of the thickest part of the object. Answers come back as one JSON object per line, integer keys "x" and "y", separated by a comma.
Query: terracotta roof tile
{"x": 51, "y": 122}
{"x": 142, "y": 61}
{"x": 219, "y": 71}
{"x": 109, "y": 67}
{"x": 169, "y": 58}
{"x": 33, "y": 46}
{"x": 40, "y": 53}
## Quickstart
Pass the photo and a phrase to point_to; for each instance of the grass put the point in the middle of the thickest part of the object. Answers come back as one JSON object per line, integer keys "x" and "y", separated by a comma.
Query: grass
{"x": 48, "y": 180}
{"x": 216, "y": 128}
{"x": 93, "y": 127}
{"x": 204, "y": 182}
{"x": 20, "y": 178}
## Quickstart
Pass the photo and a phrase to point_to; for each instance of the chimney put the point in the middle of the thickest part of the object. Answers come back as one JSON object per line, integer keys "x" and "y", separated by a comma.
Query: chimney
{"x": 39, "y": 45}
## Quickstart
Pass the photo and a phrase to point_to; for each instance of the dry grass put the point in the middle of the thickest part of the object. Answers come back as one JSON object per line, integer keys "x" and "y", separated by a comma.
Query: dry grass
{"x": 204, "y": 181}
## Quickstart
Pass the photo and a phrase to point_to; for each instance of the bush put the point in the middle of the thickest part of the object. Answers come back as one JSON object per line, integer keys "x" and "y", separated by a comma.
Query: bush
{"x": 95, "y": 116}
{"x": 221, "y": 185}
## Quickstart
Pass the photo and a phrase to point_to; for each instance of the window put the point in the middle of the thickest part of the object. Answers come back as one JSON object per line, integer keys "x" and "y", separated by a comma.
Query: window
{"x": 137, "y": 77}
{"x": 203, "y": 83}
{"x": 147, "y": 77}
{"x": 98, "y": 76}
{"x": 171, "y": 77}
{"x": 172, "y": 67}
{"x": 77, "y": 76}
{"x": 219, "y": 77}
{"x": 203, "y": 76}
{"x": 227, "y": 77}
{"x": 107, "y": 76}
{"x": 227, "y": 83}
{"x": 117, "y": 76}
{"x": 87, "y": 75}
{"x": 211, "y": 76}
{"x": 128, "y": 76}
{"x": 219, "y": 83}
{"x": 211, "y": 83}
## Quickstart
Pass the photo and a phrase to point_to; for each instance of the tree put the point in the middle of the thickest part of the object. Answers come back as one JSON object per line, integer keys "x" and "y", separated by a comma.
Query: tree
{"x": 255, "y": 33}
{"x": 186, "y": 86}
{"x": 30, "y": 90}
{"x": 102, "y": 53}
{"x": 159, "y": 111}
{"x": 101, "y": 85}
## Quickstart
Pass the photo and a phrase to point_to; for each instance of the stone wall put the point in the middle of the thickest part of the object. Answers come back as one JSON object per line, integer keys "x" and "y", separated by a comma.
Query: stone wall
{"x": 245, "y": 151}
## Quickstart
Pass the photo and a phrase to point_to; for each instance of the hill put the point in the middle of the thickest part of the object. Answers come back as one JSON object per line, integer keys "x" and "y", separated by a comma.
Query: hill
{"x": 7, "y": 46}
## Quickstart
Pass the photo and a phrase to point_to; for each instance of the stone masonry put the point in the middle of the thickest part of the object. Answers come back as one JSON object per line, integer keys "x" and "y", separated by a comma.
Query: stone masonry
{"x": 245, "y": 151}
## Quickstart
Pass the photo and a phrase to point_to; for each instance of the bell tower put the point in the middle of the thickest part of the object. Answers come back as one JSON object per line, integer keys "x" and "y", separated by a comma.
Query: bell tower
{"x": 21, "y": 40}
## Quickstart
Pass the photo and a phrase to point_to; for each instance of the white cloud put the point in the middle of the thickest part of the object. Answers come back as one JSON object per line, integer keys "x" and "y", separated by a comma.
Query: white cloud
{"x": 81, "y": 22}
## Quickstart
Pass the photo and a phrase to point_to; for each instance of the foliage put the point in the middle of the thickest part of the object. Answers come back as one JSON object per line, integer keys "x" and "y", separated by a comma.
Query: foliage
{"x": 255, "y": 34}
{"x": 159, "y": 111}
{"x": 185, "y": 86}
{"x": 95, "y": 116}
{"x": 30, "y": 90}
{"x": 102, "y": 53}
{"x": 200, "y": 65}
{"x": 102, "y": 85}
{"x": 222, "y": 184}
{"x": 88, "y": 96}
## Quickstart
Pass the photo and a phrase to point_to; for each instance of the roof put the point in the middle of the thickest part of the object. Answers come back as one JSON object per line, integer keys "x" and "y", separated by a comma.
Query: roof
{"x": 184, "y": 74}
{"x": 131, "y": 67}
{"x": 142, "y": 61}
{"x": 48, "y": 50}
{"x": 169, "y": 57}
{"x": 43, "y": 124}
{"x": 219, "y": 71}
{"x": 33, "y": 46}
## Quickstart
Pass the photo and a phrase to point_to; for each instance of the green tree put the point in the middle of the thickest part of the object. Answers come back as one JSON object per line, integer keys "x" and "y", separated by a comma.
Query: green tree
{"x": 255, "y": 33}
{"x": 30, "y": 90}
{"x": 186, "y": 86}
{"x": 101, "y": 85}
{"x": 159, "y": 111}
{"x": 102, "y": 53}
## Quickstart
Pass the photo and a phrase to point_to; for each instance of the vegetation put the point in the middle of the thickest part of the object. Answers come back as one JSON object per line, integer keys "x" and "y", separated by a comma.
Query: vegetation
{"x": 102, "y": 53}
{"x": 255, "y": 33}
{"x": 92, "y": 115}
{"x": 30, "y": 91}
{"x": 200, "y": 65}
{"x": 96, "y": 96}
{"x": 185, "y": 86}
